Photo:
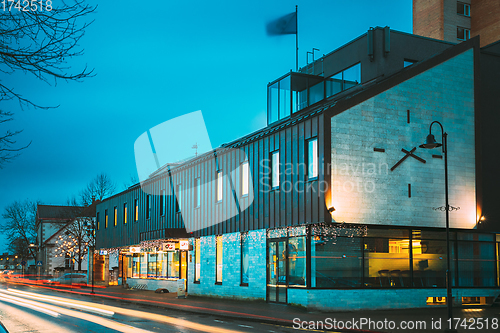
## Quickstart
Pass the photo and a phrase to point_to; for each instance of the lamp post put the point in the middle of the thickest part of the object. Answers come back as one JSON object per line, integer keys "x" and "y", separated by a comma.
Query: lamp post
{"x": 430, "y": 143}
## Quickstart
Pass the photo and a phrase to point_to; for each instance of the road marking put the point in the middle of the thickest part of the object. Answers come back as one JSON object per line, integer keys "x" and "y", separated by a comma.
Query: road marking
{"x": 245, "y": 326}
{"x": 219, "y": 321}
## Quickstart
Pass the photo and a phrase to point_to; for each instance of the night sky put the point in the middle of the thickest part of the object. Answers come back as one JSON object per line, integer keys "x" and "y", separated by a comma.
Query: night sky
{"x": 158, "y": 60}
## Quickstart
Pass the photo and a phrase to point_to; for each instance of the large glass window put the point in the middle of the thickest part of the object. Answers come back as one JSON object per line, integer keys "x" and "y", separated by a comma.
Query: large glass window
{"x": 219, "y": 186}
{"x": 219, "y": 256}
{"x": 244, "y": 178}
{"x": 343, "y": 80}
{"x": 312, "y": 158}
{"x": 297, "y": 259}
{"x": 152, "y": 265}
{"x": 387, "y": 261}
{"x": 245, "y": 252}
{"x": 279, "y": 99}
{"x": 429, "y": 259}
{"x": 143, "y": 273}
{"x": 197, "y": 260}
{"x": 136, "y": 265}
{"x": 336, "y": 262}
{"x": 275, "y": 169}
{"x": 476, "y": 264}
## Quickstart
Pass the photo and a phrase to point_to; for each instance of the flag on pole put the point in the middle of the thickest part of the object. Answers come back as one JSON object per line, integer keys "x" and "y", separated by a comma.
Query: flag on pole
{"x": 286, "y": 25}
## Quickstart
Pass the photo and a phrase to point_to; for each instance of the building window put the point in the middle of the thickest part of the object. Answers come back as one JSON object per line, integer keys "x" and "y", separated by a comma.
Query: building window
{"x": 97, "y": 220}
{"x": 178, "y": 196}
{"x": 197, "y": 260}
{"x": 125, "y": 213}
{"x": 244, "y": 178}
{"x": 136, "y": 210}
{"x": 275, "y": 169}
{"x": 105, "y": 218}
{"x": 463, "y": 9}
{"x": 312, "y": 158}
{"x": 343, "y": 80}
{"x": 219, "y": 186}
{"x": 245, "y": 250}
{"x": 197, "y": 192}
{"x": 463, "y": 33}
{"x": 148, "y": 207}
{"x": 218, "y": 255}
{"x": 152, "y": 265}
{"x": 297, "y": 263}
{"x": 162, "y": 203}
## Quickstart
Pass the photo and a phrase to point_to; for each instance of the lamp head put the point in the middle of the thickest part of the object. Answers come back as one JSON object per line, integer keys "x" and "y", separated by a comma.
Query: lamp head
{"x": 430, "y": 142}
{"x": 331, "y": 209}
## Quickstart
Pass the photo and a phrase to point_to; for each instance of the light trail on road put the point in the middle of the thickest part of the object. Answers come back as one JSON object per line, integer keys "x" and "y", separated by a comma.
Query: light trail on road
{"x": 182, "y": 323}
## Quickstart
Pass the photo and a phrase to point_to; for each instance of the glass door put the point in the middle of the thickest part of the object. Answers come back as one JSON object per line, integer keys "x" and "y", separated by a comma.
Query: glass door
{"x": 277, "y": 271}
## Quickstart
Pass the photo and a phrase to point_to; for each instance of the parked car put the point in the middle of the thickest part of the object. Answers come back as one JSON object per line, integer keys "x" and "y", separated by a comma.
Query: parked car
{"x": 70, "y": 278}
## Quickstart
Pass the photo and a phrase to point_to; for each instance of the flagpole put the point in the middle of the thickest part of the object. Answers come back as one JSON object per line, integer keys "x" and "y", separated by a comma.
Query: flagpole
{"x": 297, "y": 39}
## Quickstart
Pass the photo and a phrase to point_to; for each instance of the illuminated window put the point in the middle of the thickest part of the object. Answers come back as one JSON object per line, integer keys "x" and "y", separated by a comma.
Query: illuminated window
{"x": 275, "y": 169}
{"x": 125, "y": 213}
{"x": 105, "y": 218}
{"x": 219, "y": 186}
{"x": 115, "y": 217}
{"x": 197, "y": 260}
{"x": 197, "y": 192}
{"x": 136, "y": 210}
{"x": 244, "y": 178}
{"x": 312, "y": 158}
{"x": 97, "y": 220}
{"x": 218, "y": 255}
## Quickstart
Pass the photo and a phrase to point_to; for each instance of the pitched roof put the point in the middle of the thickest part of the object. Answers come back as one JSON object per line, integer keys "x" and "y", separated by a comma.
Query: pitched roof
{"x": 50, "y": 212}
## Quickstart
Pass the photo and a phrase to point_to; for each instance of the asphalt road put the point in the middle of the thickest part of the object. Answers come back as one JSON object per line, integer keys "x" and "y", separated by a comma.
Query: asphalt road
{"x": 27, "y": 309}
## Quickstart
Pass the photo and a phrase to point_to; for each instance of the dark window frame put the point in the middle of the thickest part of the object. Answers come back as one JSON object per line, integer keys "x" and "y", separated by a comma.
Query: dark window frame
{"x": 125, "y": 213}
{"x": 272, "y": 175}
{"x": 308, "y": 141}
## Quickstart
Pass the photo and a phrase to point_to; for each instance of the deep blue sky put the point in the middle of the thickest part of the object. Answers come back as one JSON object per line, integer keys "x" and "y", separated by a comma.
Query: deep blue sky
{"x": 158, "y": 60}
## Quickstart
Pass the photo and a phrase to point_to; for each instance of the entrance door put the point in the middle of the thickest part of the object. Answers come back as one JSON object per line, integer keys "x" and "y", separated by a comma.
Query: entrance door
{"x": 276, "y": 271}
{"x": 184, "y": 265}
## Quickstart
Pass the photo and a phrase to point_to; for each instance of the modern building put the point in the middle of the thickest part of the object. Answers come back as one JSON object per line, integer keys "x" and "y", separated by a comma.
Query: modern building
{"x": 456, "y": 21}
{"x": 343, "y": 205}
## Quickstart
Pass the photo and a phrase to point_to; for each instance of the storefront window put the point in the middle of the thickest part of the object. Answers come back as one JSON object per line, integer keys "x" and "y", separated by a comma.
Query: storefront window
{"x": 152, "y": 265}
{"x": 336, "y": 262}
{"x": 173, "y": 265}
{"x": 136, "y": 265}
{"x": 429, "y": 259}
{"x": 297, "y": 261}
{"x": 143, "y": 273}
{"x": 476, "y": 264}
{"x": 387, "y": 262}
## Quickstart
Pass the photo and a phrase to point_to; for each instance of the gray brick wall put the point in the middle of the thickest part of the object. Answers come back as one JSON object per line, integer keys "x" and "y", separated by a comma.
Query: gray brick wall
{"x": 230, "y": 287}
{"x": 364, "y": 190}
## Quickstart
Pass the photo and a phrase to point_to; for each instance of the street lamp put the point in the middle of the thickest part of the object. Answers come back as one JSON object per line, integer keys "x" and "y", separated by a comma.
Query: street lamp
{"x": 430, "y": 143}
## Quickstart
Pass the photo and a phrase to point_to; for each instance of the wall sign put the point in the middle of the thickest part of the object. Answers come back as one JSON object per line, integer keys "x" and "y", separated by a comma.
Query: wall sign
{"x": 135, "y": 249}
{"x": 103, "y": 252}
{"x": 169, "y": 246}
{"x": 184, "y": 245}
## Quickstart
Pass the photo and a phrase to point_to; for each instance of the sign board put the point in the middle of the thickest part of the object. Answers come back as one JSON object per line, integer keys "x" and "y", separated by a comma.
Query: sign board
{"x": 135, "y": 249}
{"x": 39, "y": 263}
{"x": 103, "y": 252}
{"x": 184, "y": 245}
{"x": 23, "y": 263}
{"x": 181, "y": 288}
{"x": 169, "y": 246}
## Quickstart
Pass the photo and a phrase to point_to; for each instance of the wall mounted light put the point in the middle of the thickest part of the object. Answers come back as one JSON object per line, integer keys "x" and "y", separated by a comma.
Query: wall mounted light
{"x": 331, "y": 209}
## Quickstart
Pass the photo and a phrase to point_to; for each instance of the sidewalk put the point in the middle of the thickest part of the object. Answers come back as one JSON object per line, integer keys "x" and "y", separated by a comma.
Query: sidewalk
{"x": 284, "y": 314}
